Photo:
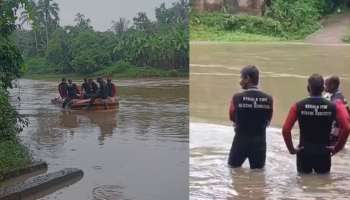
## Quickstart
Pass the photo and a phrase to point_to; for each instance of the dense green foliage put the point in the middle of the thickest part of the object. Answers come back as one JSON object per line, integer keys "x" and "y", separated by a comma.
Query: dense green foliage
{"x": 11, "y": 62}
{"x": 162, "y": 43}
{"x": 256, "y": 25}
{"x": 298, "y": 18}
{"x": 227, "y": 27}
{"x": 12, "y": 153}
{"x": 11, "y": 122}
{"x": 124, "y": 69}
{"x": 283, "y": 19}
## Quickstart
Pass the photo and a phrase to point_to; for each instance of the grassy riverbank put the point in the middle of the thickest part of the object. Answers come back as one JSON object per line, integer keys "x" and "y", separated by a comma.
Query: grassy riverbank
{"x": 134, "y": 73}
{"x": 203, "y": 33}
{"x": 37, "y": 69}
{"x": 13, "y": 155}
{"x": 225, "y": 27}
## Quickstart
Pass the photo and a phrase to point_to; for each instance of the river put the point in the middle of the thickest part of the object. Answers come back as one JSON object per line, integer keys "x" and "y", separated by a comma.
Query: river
{"x": 285, "y": 67}
{"x": 139, "y": 151}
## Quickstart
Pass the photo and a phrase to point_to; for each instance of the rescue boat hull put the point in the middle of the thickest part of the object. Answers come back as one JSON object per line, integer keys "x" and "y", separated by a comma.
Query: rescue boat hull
{"x": 80, "y": 104}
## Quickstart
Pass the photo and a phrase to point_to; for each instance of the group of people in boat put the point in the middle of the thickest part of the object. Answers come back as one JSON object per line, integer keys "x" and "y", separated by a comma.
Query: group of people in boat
{"x": 323, "y": 123}
{"x": 89, "y": 90}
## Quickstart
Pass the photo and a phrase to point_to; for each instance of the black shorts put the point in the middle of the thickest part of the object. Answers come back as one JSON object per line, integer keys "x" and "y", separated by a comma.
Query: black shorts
{"x": 253, "y": 148}
{"x": 316, "y": 159}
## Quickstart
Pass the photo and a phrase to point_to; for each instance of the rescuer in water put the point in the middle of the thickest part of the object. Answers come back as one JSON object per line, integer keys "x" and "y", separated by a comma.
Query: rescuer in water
{"x": 251, "y": 112}
{"x": 315, "y": 116}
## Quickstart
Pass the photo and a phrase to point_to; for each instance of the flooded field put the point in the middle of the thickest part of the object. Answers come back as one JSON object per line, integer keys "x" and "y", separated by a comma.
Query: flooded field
{"x": 139, "y": 151}
{"x": 215, "y": 75}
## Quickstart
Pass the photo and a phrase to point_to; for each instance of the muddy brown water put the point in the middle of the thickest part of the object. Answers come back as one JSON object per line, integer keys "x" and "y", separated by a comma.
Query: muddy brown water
{"x": 139, "y": 151}
{"x": 284, "y": 68}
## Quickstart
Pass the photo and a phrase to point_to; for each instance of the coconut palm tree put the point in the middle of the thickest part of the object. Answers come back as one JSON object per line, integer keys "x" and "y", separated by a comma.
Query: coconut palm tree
{"x": 48, "y": 15}
{"x": 120, "y": 26}
{"x": 30, "y": 17}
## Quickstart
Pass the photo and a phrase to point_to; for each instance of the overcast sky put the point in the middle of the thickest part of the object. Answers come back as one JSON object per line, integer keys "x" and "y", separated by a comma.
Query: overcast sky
{"x": 102, "y": 12}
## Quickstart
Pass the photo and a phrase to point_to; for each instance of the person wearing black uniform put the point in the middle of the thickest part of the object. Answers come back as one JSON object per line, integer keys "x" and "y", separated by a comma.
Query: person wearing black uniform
{"x": 72, "y": 91}
{"x": 93, "y": 85}
{"x": 85, "y": 88}
{"x": 102, "y": 92}
{"x": 251, "y": 112}
{"x": 90, "y": 88}
{"x": 112, "y": 90}
{"x": 315, "y": 116}
{"x": 62, "y": 88}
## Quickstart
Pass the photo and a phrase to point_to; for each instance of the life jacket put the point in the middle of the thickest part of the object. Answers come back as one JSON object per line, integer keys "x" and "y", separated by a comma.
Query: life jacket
{"x": 103, "y": 90}
{"x": 89, "y": 88}
{"x": 94, "y": 87}
{"x": 253, "y": 112}
{"x": 72, "y": 90}
{"x": 315, "y": 117}
{"x": 62, "y": 89}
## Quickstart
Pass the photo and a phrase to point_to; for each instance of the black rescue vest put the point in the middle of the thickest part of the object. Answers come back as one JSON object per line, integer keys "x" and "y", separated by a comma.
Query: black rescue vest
{"x": 253, "y": 111}
{"x": 315, "y": 117}
{"x": 72, "y": 90}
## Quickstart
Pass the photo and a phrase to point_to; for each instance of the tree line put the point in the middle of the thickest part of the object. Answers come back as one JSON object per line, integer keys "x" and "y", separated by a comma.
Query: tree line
{"x": 49, "y": 47}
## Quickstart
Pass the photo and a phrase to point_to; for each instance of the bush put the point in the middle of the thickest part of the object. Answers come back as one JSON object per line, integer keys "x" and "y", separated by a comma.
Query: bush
{"x": 11, "y": 62}
{"x": 214, "y": 20}
{"x": 116, "y": 68}
{"x": 288, "y": 19}
{"x": 255, "y": 25}
{"x": 13, "y": 155}
{"x": 298, "y": 18}
{"x": 59, "y": 52}
{"x": 38, "y": 65}
{"x": 89, "y": 53}
{"x": 125, "y": 69}
{"x": 8, "y": 118}
{"x": 11, "y": 122}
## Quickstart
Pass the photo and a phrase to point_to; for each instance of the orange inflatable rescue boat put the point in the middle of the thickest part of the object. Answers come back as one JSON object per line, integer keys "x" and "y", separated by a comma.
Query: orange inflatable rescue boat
{"x": 80, "y": 104}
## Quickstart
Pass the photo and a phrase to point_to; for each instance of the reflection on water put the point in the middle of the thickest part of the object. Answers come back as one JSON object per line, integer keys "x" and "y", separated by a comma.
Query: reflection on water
{"x": 114, "y": 148}
{"x": 105, "y": 120}
{"x": 215, "y": 74}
